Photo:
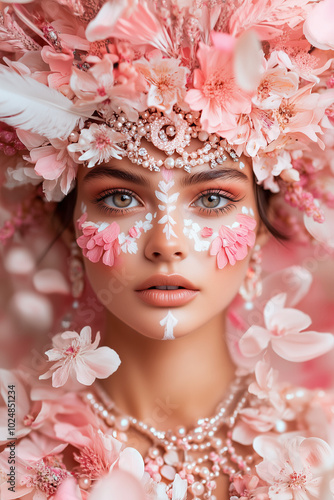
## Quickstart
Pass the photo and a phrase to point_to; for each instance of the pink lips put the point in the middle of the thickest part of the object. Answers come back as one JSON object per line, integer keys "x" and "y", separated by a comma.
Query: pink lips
{"x": 149, "y": 292}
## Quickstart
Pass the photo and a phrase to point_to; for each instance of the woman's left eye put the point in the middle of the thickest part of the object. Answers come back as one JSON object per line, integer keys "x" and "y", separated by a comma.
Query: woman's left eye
{"x": 211, "y": 201}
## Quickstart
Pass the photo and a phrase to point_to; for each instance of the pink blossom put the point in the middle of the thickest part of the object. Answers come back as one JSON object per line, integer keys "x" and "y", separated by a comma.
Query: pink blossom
{"x": 96, "y": 83}
{"x": 39, "y": 468}
{"x": 253, "y": 421}
{"x": 293, "y": 465}
{"x": 167, "y": 80}
{"x": 56, "y": 166}
{"x": 318, "y": 27}
{"x": 76, "y": 355}
{"x": 231, "y": 243}
{"x": 215, "y": 91}
{"x": 99, "y": 241}
{"x": 98, "y": 144}
{"x": 266, "y": 386}
{"x": 283, "y": 331}
{"x": 276, "y": 83}
{"x": 247, "y": 487}
{"x": 300, "y": 113}
{"x": 22, "y": 406}
{"x": 100, "y": 27}
{"x": 61, "y": 65}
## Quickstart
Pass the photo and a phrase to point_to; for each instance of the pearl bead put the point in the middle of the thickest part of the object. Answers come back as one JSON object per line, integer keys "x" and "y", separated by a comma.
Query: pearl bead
{"x": 169, "y": 162}
{"x": 110, "y": 420}
{"x": 170, "y": 130}
{"x": 216, "y": 442}
{"x": 153, "y": 452}
{"x": 122, "y": 423}
{"x": 204, "y": 472}
{"x": 73, "y": 137}
{"x": 197, "y": 488}
{"x": 84, "y": 482}
{"x": 203, "y": 136}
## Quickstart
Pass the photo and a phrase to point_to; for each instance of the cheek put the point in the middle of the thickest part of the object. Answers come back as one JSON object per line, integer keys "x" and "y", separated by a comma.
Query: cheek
{"x": 105, "y": 242}
{"x": 229, "y": 243}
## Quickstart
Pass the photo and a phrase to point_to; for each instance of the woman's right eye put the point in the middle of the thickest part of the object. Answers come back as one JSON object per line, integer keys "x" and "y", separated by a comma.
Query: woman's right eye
{"x": 118, "y": 200}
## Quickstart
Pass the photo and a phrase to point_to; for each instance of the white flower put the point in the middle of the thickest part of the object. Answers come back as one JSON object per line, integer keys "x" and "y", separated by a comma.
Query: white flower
{"x": 98, "y": 144}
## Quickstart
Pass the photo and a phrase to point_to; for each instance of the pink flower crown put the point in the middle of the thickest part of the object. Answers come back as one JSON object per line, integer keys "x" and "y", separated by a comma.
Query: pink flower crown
{"x": 82, "y": 84}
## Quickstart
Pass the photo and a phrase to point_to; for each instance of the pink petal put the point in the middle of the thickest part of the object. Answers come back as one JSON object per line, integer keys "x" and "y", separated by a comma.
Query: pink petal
{"x": 254, "y": 341}
{"x": 222, "y": 259}
{"x": 109, "y": 258}
{"x": 49, "y": 167}
{"x": 60, "y": 376}
{"x": 130, "y": 460}
{"x": 304, "y": 346}
{"x": 68, "y": 489}
{"x": 247, "y": 61}
{"x": 316, "y": 453}
{"x": 51, "y": 281}
{"x": 273, "y": 306}
{"x": 119, "y": 485}
{"x": 206, "y": 232}
{"x": 104, "y": 361}
{"x": 86, "y": 335}
{"x": 216, "y": 246}
{"x": 95, "y": 254}
{"x": 289, "y": 321}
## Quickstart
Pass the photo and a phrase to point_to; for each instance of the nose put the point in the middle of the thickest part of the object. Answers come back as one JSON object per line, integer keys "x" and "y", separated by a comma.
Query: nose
{"x": 166, "y": 244}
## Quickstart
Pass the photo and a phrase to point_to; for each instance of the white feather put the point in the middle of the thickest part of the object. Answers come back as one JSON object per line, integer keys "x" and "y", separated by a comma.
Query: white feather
{"x": 30, "y": 105}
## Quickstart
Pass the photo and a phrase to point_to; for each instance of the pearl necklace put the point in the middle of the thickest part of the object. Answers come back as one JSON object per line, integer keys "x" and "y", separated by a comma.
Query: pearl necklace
{"x": 171, "y": 451}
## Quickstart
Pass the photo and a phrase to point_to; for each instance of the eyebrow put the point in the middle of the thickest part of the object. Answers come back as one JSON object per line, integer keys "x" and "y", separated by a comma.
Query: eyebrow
{"x": 188, "y": 180}
{"x": 224, "y": 173}
{"x": 104, "y": 171}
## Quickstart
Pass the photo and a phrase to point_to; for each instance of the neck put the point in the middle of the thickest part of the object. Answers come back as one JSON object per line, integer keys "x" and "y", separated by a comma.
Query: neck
{"x": 169, "y": 383}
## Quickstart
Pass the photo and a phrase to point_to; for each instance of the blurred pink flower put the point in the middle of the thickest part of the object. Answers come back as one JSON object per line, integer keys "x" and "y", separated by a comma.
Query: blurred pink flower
{"x": 167, "y": 80}
{"x": 283, "y": 331}
{"x": 231, "y": 243}
{"x": 293, "y": 465}
{"x": 56, "y": 166}
{"x": 318, "y": 27}
{"x": 253, "y": 421}
{"x": 215, "y": 91}
{"x": 97, "y": 241}
{"x": 76, "y": 355}
{"x": 246, "y": 486}
{"x": 22, "y": 404}
{"x": 265, "y": 386}
{"x": 98, "y": 144}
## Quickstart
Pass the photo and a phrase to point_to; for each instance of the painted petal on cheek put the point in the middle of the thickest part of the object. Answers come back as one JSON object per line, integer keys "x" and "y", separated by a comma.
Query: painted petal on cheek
{"x": 206, "y": 232}
{"x": 97, "y": 243}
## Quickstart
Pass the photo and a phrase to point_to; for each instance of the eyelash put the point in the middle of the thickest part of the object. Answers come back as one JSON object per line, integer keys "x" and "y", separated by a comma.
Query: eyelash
{"x": 217, "y": 211}
{"x": 208, "y": 211}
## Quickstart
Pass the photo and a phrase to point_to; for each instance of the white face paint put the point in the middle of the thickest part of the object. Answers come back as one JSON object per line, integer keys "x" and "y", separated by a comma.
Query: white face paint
{"x": 168, "y": 200}
{"x": 203, "y": 236}
{"x": 169, "y": 322}
{"x": 128, "y": 241}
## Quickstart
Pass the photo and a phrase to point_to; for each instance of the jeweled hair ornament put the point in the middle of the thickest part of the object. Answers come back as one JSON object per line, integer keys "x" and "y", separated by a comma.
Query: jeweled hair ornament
{"x": 84, "y": 82}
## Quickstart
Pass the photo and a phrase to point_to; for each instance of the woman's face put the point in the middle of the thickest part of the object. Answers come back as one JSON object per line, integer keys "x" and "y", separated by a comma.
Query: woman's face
{"x": 164, "y": 282}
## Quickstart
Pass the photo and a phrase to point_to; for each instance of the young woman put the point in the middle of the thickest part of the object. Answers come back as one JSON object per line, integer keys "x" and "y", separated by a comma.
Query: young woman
{"x": 157, "y": 129}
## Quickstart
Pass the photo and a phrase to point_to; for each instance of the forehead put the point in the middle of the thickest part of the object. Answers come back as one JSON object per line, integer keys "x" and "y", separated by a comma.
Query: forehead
{"x": 124, "y": 169}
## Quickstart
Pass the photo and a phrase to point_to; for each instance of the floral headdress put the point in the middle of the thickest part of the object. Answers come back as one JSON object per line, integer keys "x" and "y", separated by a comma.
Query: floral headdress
{"x": 83, "y": 82}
